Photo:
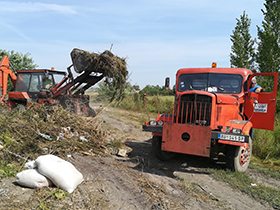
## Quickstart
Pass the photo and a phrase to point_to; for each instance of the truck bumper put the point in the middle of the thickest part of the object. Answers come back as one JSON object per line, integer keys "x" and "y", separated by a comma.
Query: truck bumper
{"x": 186, "y": 139}
{"x": 193, "y": 139}
{"x": 153, "y": 129}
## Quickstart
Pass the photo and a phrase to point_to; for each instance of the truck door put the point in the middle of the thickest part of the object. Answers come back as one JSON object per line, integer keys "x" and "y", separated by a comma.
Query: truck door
{"x": 260, "y": 107}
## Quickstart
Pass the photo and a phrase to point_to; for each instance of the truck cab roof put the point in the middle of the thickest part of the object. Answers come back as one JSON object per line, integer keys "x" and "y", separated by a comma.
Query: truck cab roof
{"x": 215, "y": 80}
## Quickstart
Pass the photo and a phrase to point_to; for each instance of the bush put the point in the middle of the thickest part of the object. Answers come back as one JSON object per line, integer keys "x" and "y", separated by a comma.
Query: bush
{"x": 135, "y": 102}
{"x": 266, "y": 144}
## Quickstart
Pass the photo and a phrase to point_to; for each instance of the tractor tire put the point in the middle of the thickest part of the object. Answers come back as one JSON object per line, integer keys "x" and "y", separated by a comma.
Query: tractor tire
{"x": 90, "y": 112}
{"x": 238, "y": 158}
{"x": 156, "y": 147}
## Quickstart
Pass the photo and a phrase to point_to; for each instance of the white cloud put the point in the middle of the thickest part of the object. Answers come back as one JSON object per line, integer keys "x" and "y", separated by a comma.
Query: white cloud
{"x": 6, "y": 6}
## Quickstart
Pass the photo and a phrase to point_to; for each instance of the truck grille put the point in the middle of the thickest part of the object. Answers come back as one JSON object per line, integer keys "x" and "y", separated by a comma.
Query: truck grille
{"x": 194, "y": 109}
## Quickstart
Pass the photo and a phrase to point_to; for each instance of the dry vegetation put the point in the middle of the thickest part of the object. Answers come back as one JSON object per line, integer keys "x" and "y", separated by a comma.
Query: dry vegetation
{"x": 28, "y": 133}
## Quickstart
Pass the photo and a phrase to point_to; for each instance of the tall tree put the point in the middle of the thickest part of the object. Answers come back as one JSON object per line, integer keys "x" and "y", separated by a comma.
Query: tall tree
{"x": 242, "y": 50}
{"x": 18, "y": 61}
{"x": 268, "y": 56}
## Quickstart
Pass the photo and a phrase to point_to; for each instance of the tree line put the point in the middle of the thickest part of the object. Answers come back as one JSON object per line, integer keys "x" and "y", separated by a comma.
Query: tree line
{"x": 261, "y": 54}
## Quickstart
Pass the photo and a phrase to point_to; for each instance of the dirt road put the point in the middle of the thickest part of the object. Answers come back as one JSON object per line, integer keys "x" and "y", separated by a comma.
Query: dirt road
{"x": 138, "y": 180}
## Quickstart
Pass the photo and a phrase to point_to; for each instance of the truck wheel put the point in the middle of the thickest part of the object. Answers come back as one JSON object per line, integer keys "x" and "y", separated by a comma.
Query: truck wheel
{"x": 156, "y": 146}
{"x": 238, "y": 158}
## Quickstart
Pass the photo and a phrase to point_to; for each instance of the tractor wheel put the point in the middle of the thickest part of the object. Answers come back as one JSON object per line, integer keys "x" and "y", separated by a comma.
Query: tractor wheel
{"x": 238, "y": 158}
{"x": 156, "y": 146}
{"x": 90, "y": 112}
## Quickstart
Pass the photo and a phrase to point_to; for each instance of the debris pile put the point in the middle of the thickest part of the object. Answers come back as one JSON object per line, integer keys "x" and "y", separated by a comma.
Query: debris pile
{"x": 38, "y": 130}
{"x": 112, "y": 67}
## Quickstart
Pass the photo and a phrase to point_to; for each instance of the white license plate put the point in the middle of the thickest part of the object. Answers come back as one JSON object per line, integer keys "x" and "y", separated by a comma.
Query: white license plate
{"x": 231, "y": 137}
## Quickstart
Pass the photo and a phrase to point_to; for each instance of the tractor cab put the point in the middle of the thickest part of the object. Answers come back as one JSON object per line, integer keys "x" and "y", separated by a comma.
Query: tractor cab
{"x": 37, "y": 80}
{"x": 34, "y": 85}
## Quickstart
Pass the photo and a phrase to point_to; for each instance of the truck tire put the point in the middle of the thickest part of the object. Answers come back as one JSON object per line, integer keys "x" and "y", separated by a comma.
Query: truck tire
{"x": 156, "y": 147}
{"x": 238, "y": 158}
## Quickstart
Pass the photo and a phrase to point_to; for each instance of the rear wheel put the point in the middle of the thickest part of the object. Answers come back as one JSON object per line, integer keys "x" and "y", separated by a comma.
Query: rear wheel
{"x": 156, "y": 146}
{"x": 238, "y": 158}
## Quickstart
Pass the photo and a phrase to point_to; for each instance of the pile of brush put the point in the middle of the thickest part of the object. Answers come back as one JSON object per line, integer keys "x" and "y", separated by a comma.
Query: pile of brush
{"x": 112, "y": 67}
{"x": 37, "y": 130}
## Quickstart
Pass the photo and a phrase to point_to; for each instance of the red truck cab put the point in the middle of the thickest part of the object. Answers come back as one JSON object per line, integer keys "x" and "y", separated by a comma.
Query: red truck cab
{"x": 214, "y": 113}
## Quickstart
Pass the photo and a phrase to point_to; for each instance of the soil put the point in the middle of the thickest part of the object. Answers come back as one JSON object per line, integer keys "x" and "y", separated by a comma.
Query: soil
{"x": 138, "y": 180}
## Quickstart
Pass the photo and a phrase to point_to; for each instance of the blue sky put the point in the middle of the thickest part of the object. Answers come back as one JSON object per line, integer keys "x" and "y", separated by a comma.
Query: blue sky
{"x": 156, "y": 37}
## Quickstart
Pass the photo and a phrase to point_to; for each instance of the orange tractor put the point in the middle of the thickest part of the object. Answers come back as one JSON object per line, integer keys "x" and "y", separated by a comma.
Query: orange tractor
{"x": 45, "y": 86}
{"x": 214, "y": 115}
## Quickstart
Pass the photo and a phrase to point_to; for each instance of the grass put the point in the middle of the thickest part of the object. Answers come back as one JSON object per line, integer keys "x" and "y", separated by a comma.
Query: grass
{"x": 264, "y": 167}
{"x": 7, "y": 169}
{"x": 135, "y": 102}
{"x": 244, "y": 183}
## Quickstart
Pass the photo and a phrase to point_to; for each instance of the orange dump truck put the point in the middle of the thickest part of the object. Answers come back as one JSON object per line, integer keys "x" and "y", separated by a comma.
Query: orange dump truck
{"x": 214, "y": 115}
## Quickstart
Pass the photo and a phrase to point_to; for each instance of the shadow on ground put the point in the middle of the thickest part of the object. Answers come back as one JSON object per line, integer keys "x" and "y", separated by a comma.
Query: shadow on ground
{"x": 142, "y": 154}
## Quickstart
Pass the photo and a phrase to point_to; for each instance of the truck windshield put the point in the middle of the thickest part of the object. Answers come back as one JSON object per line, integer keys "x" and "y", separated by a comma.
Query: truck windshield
{"x": 210, "y": 82}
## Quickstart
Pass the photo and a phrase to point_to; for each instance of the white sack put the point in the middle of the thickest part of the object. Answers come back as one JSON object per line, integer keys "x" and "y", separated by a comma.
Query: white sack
{"x": 30, "y": 164}
{"x": 33, "y": 179}
{"x": 62, "y": 173}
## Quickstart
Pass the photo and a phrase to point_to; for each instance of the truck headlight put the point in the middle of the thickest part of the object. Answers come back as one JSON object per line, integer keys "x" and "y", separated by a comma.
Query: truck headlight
{"x": 236, "y": 131}
{"x": 153, "y": 122}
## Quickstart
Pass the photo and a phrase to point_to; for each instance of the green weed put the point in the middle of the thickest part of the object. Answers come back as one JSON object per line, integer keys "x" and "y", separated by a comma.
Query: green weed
{"x": 43, "y": 206}
{"x": 265, "y": 167}
{"x": 7, "y": 169}
{"x": 6, "y": 139}
{"x": 59, "y": 194}
{"x": 266, "y": 144}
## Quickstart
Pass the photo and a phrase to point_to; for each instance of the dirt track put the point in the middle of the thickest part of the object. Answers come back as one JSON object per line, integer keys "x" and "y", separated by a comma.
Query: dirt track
{"x": 139, "y": 180}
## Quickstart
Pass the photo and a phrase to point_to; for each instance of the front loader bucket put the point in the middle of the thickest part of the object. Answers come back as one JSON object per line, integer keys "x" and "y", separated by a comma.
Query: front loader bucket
{"x": 83, "y": 60}
{"x": 104, "y": 63}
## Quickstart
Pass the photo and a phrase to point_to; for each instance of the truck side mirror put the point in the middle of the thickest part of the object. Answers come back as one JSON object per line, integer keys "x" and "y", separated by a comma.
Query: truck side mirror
{"x": 167, "y": 79}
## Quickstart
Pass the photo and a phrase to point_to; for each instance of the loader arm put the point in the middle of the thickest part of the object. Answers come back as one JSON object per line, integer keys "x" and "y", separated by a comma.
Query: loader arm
{"x": 73, "y": 84}
{"x": 5, "y": 72}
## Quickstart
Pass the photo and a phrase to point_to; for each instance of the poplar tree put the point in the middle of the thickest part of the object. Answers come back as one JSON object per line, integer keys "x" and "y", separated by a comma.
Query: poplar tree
{"x": 242, "y": 50}
{"x": 268, "y": 56}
